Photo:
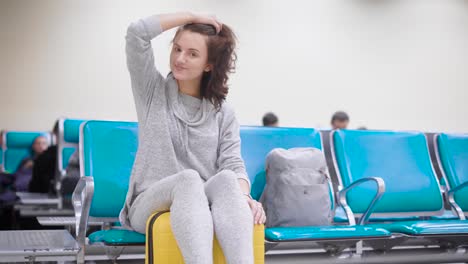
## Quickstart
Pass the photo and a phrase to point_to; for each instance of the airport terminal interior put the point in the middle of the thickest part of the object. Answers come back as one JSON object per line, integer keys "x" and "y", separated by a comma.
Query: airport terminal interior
{"x": 240, "y": 132}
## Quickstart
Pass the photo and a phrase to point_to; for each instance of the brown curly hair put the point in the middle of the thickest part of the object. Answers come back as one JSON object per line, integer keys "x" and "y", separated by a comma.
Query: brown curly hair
{"x": 222, "y": 57}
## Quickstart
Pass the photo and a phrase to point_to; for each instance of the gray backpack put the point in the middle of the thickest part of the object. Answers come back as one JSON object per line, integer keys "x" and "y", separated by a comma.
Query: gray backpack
{"x": 297, "y": 188}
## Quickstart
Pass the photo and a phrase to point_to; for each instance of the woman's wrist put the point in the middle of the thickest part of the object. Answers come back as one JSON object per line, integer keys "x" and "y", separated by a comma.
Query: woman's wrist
{"x": 174, "y": 20}
{"x": 248, "y": 196}
{"x": 191, "y": 17}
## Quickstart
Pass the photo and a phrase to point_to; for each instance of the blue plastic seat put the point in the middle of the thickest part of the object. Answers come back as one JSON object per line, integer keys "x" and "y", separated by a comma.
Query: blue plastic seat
{"x": 117, "y": 237}
{"x": 67, "y": 142}
{"x": 427, "y": 227}
{"x": 109, "y": 150}
{"x": 357, "y": 232}
{"x": 257, "y": 142}
{"x": 107, "y": 153}
{"x": 452, "y": 152}
{"x": 18, "y": 146}
{"x": 402, "y": 160}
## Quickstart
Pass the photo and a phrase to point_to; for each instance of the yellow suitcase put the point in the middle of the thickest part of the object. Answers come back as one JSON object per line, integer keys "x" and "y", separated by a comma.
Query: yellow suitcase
{"x": 161, "y": 246}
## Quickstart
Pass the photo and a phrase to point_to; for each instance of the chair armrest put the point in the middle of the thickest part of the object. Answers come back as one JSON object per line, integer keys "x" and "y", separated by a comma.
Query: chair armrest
{"x": 81, "y": 199}
{"x": 343, "y": 202}
{"x": 451, "y": 199}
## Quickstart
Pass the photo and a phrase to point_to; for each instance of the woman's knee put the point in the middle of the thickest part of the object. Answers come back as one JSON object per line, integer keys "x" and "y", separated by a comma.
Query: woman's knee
{"x": 190, "y": 175}
{"x": 227, "y": 177}
{"x": 225, "y": 180}
{"x": 189, "y": 181}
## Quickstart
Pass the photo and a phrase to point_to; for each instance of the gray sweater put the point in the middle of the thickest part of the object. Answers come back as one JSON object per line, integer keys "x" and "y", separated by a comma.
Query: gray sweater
{"x": 176, "y": 131}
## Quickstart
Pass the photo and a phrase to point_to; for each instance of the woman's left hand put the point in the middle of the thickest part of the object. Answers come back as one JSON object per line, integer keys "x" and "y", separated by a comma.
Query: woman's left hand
{"x": 209, "y": 20}
{"x": 257, "y": 211}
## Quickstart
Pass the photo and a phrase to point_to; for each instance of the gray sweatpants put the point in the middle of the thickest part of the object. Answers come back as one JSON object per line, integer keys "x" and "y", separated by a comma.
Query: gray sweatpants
{"x": 190, "y": 199}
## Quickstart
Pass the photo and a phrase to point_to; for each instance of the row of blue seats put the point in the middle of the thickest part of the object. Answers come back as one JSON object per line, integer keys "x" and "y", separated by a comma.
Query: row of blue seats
{"x": 386, "y": 181}
{"x": 108, "y": 150}
{"x": 17, "y": 145}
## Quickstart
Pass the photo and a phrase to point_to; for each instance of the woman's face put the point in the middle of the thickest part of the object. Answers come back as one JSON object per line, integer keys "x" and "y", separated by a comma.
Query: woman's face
{"x": 189, "y": 56}
{"x": 40, "y": 145}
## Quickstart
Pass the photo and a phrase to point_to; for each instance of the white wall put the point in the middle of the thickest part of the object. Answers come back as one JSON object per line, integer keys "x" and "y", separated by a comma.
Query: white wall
{"x": 389, "y": 64}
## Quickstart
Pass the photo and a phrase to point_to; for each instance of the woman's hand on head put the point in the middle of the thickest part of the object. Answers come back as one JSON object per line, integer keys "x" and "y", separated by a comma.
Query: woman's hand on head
{"x": 209, "y": 20}
{"x": 173, "y": 20}
{"x": 257, "y": 211}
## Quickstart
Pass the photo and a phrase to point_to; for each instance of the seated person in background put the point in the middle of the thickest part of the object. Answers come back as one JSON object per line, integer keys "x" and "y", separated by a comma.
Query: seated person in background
{"x": 24, "y": 172}
{"x": 340, "y": 120}
{"x": 270, "y": 119}
{"x": 44, "y": 170}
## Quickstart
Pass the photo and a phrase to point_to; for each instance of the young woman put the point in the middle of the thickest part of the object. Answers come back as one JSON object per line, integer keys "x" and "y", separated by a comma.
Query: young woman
{"x": 189, "y": 160}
